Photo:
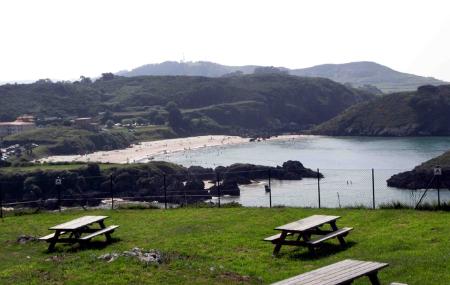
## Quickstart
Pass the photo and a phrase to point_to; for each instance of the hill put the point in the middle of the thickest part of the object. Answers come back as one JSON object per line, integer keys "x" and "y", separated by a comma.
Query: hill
{"x": 265, "y": 102}
{"x": 419, "y": 113}
{"x": 199, "y": 68}
{"x": 362, "y": 74}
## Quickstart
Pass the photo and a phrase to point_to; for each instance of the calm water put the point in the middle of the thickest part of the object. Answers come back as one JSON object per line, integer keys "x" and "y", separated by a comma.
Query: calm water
{"x": 346, "y": 163}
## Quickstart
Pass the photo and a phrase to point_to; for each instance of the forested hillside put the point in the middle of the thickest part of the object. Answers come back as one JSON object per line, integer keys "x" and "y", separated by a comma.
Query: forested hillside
{"x": 421, "y": 113}
{"x": 269, "y": 102}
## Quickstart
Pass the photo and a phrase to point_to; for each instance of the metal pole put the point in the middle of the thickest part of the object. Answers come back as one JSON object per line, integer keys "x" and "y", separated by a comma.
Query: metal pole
{"x": 165, "y": 192}
{"x": 1, "y": 201}
{"x": 373, "y": 188}
{"x": 218, "y": 188}
{"x": 318, "y": 185}
{"x": 439, "y": 191}
{"x": 112, "y": 191}
{"x": 270, "y": 190}
{"x": 59, "y": 198}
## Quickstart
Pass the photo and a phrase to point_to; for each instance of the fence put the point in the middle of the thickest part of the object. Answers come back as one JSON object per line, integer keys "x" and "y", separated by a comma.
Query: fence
{"x": 331, "y": 188}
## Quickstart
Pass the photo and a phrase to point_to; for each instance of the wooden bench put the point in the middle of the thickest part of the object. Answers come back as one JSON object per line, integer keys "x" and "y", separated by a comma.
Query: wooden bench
{"x": 77, "y": 228}
{"x": 275, "y": 237}
{"x": 336, "y": 234}
{"x": 105, "y": 231}
{"x": 50, "y": 236}
{"x": 343, "y": 272}
{"x": 306, "y": 228}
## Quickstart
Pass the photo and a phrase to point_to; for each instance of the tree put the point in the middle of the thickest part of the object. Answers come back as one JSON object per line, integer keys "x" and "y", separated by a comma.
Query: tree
{"x": 175, "y": 118}
{"x": 109, "y": 124}
{"x": 107, "y": 76}
{"x": 85, "y": 80}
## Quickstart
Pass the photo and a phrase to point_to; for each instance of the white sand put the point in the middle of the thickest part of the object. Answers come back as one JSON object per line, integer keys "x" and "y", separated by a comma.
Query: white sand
{"x": 146, "y": 150}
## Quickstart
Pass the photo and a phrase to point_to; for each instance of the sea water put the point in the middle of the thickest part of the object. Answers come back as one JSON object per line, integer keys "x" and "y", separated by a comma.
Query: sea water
{"x": 346, "y": 163}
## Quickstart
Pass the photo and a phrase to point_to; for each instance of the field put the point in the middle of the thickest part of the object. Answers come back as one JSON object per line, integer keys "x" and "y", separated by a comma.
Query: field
{"x": 223, "y": 246}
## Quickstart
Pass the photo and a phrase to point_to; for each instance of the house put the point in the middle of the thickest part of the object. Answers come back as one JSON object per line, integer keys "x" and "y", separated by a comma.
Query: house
{"x": 21, "y": 124}
{"x": 86, "y": 123}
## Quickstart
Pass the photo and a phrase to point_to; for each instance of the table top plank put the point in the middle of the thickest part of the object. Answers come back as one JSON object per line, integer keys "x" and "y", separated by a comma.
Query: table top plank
{"x": 78, "y": 223}
{"x": 336, "y": 273}
{"x": 307, "y": 223}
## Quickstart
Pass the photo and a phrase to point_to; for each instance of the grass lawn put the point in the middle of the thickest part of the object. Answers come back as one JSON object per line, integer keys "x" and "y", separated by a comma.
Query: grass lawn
{"x": 223, "y": 246}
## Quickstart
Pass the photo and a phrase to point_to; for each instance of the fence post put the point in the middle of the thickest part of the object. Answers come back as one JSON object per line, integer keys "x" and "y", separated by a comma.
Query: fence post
{"x": 58, "y": 185}
{"x": 270, "y": 190}
{"x": 373, "y": 188}
{"x": 218, "y": 187}
{"x": 438, "y": 180}
{"x": 111, "y": 188}
{"x": 165, "y": 192}
{"x": 1, "y": 201}
{"x": 318, "y": 185}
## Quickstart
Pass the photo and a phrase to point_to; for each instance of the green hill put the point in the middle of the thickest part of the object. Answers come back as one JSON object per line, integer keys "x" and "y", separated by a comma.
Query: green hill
{"x": 269, "y": 102}
{"x": 366, "y": 73}
{"x": 362, "y": 74}
{"x": 419, "y": 113}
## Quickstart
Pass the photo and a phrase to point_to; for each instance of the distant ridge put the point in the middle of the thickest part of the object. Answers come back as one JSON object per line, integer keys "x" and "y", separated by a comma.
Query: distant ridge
{"x": 358, "y": 74}
{"x": 420, "y": 113}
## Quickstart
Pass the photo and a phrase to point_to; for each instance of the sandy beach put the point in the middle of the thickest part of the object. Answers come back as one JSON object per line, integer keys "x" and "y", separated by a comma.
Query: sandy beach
{"x": 145, "y": 151}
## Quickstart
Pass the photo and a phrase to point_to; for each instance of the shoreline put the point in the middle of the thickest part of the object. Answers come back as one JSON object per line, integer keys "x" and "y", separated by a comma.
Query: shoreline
{"x": 146, "y": 151}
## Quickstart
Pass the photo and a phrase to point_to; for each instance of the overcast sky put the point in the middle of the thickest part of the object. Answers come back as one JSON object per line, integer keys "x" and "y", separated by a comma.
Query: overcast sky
{"x": 65, "y": 39}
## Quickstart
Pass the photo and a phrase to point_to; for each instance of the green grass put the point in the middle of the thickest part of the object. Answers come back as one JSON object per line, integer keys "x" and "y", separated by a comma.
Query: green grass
{"x": 223, "y": 246}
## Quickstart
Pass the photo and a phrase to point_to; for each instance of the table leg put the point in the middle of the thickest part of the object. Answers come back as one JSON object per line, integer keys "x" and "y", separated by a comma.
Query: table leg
{"x": 374, "y": 278}
{"x": 277, "y": 248}
{"x": 54, "y": 240}
{"x": 108, "y": 235}
{"x": 306, "y": 237}
{"x": 335, "y": 228}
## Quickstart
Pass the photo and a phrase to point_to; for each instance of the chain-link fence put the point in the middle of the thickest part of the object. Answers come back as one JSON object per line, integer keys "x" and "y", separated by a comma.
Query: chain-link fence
{"x": 330, "y": 188}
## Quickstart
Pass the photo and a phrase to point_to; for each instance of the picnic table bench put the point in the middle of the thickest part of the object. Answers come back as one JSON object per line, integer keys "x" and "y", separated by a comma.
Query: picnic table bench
{"x": 343, "y": 272}
{"x": 79, "y": 231}
{"x": 299, "y": 233}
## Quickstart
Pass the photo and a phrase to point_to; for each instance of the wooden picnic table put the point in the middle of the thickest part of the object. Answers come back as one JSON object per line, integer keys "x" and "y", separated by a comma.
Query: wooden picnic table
{"x": 299, "y": 233}
{"x": 76, "y": 230}
{"x": 343, "y": 272}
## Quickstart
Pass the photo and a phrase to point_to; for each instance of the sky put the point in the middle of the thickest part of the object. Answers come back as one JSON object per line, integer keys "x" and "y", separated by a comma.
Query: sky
{"x": 63, "y": 40}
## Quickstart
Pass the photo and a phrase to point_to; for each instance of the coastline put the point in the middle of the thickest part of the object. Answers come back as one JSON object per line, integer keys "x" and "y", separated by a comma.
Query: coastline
{"x": 146, "y": 151}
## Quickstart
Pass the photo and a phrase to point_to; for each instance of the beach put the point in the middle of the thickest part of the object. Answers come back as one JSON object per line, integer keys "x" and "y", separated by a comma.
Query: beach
{"x": 146, "y": 151}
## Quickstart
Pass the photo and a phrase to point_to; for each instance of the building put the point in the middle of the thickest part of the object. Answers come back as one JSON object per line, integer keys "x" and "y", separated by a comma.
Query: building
{"x": 86, "y": 123}
{"x": 18, "y": 126}
{"x": 21, "y": 124}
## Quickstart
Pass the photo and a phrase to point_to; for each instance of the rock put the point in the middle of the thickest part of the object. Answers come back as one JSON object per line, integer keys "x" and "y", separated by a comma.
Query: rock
{"x": 148, "y": 257}
{"x": 23, "y": 239}
{"x": 109, "y": 257}
{"x": 51, "y": 204}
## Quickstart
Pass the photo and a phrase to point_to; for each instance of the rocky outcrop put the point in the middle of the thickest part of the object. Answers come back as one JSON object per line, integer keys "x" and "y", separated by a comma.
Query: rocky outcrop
{"x": 421, "y": 177}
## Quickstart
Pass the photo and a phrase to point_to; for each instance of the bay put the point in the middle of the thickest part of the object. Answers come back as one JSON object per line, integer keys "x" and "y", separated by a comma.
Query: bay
{"x": 346, "y": 163}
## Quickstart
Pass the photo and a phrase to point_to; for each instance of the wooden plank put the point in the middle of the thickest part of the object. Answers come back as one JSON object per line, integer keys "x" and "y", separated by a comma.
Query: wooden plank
{"x": 348, "y": 274}
{"x": 79, "y": 223}
{"x": 275, "y": 237}
{"x": 342, "y": 275}
{"x": 50, "y": 236}
{"x": 340, "y": 232}
{"x": 100, "y": 232}
{"x": 307, "y": 223}
{"x": 337, "y": 273}
{"x": 323, "y": 271}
